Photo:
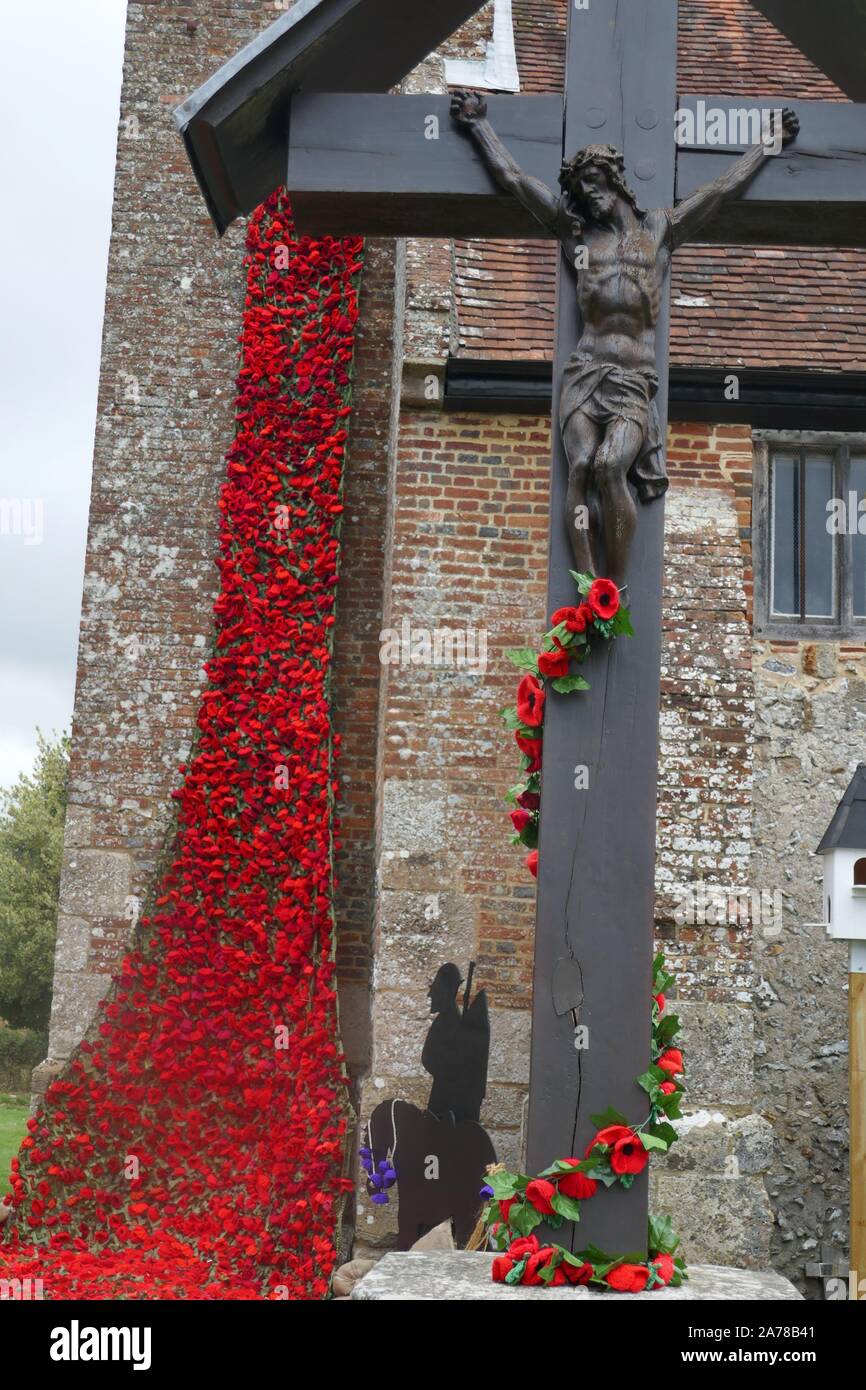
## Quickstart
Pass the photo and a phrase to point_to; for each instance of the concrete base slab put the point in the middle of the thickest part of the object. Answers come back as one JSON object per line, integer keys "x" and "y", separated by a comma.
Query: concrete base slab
{"x": 454, "y": 1274}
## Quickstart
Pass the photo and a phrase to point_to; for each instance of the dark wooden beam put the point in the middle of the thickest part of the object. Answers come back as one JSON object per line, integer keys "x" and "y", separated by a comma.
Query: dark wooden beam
{"x": 769, "y": 397}
{"x": 597, "y": 847}
{"x": 832, "y": 34}
{"x": 813, "y": 193}
{"x": 363, "y": 164}
{"x": 234, "y": 125}
{"x": 368, "y": 164}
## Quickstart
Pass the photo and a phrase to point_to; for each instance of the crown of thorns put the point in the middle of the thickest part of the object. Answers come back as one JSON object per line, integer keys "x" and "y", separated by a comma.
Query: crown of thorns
{"x": 603, "y": 157}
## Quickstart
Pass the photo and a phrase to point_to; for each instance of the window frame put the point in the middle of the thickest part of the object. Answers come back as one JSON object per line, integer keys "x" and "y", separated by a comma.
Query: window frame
{"x": 841, "y": 445}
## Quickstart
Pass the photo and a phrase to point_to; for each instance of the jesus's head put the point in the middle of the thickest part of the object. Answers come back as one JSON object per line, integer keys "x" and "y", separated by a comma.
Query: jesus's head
{"x": 594, "y": 182}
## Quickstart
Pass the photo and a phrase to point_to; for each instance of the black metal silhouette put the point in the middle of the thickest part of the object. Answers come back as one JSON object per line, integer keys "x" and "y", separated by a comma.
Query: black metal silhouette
{"x": 457, "y": 1047}
{"x": 439, "y": 1154}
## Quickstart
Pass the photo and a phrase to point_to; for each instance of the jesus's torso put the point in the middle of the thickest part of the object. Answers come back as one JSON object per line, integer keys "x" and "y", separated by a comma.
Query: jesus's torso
{"x": 619, "y": 292}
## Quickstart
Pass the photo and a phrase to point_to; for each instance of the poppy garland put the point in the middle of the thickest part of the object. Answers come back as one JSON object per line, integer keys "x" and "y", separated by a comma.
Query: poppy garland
{"x": 599, "y": 614}
{"x": 195, "y": 1147}
{"x": 616, "y": 1155}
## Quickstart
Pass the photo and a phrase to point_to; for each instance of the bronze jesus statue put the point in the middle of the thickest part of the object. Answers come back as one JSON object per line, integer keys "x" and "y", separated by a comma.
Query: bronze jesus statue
{"x": 610, "y": 424}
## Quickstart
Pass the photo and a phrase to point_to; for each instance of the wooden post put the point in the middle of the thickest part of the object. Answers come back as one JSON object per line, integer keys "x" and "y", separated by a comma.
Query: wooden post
{"x": 857, "y": 1084}
{"x": 594, "y": 921}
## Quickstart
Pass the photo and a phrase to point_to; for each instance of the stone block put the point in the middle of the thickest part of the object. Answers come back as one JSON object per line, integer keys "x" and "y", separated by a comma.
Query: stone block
{"x": 451, "y": 1275}
{"x": 423, "y": 383}
{"x": 419, "y": 932}
{"x": 76, "y": 996}
{"x": 702, "y": 1145}
{"x": 754, "y": 1144}
{"x": 510, "y": 1038}
{"x": 78, "y": 828}
{"x": 95, "y": 882}
{"x": 718, "y": 1042}
{"x": 716, "y": 1218}
{"x": 73, "y": 943}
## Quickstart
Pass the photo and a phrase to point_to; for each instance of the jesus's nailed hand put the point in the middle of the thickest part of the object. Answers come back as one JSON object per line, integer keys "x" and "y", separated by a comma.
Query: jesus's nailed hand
{"x": 790, "y": 126}
{"x": 468, "y": 107}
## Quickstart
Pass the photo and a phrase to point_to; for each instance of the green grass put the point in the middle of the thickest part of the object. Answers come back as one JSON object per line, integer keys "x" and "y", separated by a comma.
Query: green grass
{"x": 14, "y": 1113}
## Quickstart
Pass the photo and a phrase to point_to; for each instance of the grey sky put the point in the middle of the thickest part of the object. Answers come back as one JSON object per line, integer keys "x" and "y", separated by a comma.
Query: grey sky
{"x": 59, "y": 102}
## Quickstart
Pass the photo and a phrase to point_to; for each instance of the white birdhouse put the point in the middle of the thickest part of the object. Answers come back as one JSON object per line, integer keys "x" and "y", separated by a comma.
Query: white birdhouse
{"x": 844, "y": 851}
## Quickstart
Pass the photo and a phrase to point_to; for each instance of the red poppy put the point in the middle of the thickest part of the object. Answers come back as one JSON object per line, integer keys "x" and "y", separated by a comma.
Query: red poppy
{"x": 505, "y": 1206}
{"x": 608, "y": 1136}
{"x": 667, "y": 1088}
{"x": 540, "y": 1194}
{"x": 502, "y": 1265}
{"x": 577, "y": 1184}
{"x": 577, "y": 1274}
{"x": 524, "y": 1245}
{"x": 629, "y": 1155}
{"x": 530, "y": 701}
{"x": 531, "y": 862}
{"x": 665, "y": 1269}
{"x": 532, "y": 748}
{"x": 539, "y": 1261}
{"x": 520, "y": 820}
{"x": 575, "y": 619}
{"x": 530, "y": 801}
{"x": 603, "y": 598}
{"x": 671, "y": 1061}
{"x": 554, "y": 664}
{"x": 660, "y": 1000}
{"x": 628, "y": 1278}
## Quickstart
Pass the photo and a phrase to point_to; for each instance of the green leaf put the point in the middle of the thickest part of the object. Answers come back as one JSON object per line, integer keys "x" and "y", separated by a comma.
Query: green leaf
{"x": 560, "y": 1166}
{"x": 504, "y": 1185}
{"x": 661, "y": 1238}
{"x": 514, "y": 792}
{"x": 583, "y": 580}
{"x": 547, "y": 1273}
{"x": 567, "y": 1207}
{"x": 509, "y": 717}
{"x": 525, "y": 658}
{"x": 609, "y": 1117}
{"x": 566, "y": 684}
{"x": 524, "y": 1218}
{"x": 621, "y": 624}
{"x": 529, "y": 835}
{"x": 670, "y": 1104}
{"x": 651, "y": 1079}
{"x": 515, "y": 1275}
{"x": 665, "y": 1132}
{"x": 561, "y": 632}
{"x": 667, "y": 1028}
{"x": 653, "y": 1141}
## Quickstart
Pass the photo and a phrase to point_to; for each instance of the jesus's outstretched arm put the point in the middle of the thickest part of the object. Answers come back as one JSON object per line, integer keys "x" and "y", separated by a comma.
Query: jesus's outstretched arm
{"x": 698, "y": 209}
{"x": 469, "y": 110}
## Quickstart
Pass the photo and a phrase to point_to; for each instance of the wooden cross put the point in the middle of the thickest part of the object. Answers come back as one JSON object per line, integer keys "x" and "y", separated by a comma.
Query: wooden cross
{"x": 384, "y": 165}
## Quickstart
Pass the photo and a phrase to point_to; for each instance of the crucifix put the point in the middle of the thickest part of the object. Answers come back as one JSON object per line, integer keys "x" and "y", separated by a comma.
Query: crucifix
{"x": 287, "y": 110}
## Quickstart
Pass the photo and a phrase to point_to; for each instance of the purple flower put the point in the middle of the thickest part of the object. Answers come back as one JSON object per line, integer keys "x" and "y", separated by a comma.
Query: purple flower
{"x": 486, "y": 1191}
{"x": 381, "y": 1199}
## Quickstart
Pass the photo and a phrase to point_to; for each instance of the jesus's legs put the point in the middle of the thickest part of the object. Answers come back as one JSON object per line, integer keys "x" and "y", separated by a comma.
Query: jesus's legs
{"x": 581, "y": 438}
{"x": 615, "y": 456}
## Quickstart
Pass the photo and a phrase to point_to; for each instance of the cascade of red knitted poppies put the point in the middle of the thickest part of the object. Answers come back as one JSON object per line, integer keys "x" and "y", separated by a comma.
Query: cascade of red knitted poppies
{"x": 195, "y": 1146}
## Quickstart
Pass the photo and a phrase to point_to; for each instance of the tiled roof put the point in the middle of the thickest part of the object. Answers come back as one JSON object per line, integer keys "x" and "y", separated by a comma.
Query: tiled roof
{"x": 797, "y": 307}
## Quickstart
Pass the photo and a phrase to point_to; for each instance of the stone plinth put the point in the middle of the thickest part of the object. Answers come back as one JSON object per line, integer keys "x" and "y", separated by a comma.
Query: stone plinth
{"x": 454, "y": 1274}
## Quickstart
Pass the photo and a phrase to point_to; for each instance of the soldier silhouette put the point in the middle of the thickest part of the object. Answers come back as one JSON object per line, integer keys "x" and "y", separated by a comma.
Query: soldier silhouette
{"x": 457, "y": 1047}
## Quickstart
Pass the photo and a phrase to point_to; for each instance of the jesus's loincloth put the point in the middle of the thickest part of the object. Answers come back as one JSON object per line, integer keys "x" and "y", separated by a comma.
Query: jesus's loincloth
{"x": 605, "y": 393}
